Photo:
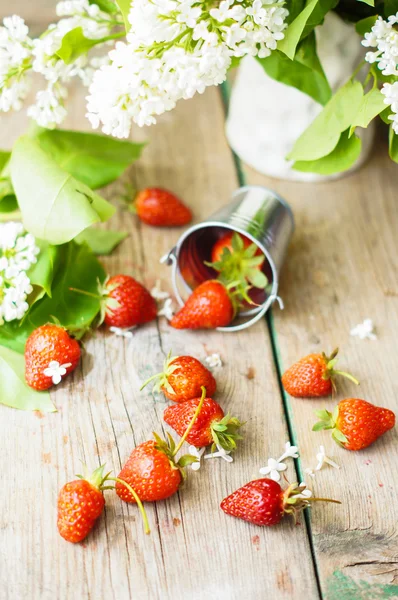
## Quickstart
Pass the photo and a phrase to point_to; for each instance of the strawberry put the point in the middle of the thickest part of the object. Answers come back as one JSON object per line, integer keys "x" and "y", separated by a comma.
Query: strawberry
{"x": 210, "y": 427}
{"x": 152, "y": 469}
{"x": 313, "y": 376}
{"x": 209, "y": 306}
{"x": 161, "y": 208}
{"x": 182, "y": 379}
{"x": 127, "y": 302}
{"x": 50, "y": 355}
{"x": 80, "y": 503}
{"x": 238, "y": 259}
{"x": 356, "y": 423}
{"x": 264, "y": 502}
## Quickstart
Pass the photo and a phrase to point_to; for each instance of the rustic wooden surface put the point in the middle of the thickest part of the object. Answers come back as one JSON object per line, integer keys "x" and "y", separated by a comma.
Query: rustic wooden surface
{"x": 342, "y": 267}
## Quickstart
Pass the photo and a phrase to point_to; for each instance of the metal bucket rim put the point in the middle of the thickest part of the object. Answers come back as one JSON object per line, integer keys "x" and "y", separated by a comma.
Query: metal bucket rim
{"x": 277, "y": 196}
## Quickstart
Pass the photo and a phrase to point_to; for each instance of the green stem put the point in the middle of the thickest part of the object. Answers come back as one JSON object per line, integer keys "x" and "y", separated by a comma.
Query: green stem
{"x": 347, "y": 375}
{"x": 188, "y": 429}
{"x": 136, "y": 498}
{"x": 150, "y": 379}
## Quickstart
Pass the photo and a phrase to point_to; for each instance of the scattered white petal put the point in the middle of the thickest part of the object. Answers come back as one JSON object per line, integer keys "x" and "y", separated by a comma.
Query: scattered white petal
{"x": 305, "y": 493}
{"x": 213, "y": 361}
{"x": 273, "y": 469}
{"x": 221, "y": 453}
{"x": 56, "y": 371}
{"x": 290, "y": 452}
{"x": 309, "y": 472}
{"x": 126, "y": 333}
{"x": 364, "y": 330}
{"x": 198, "y": 452}
{"x": 323, "y": 459}
{"x": 158, "y": 294}
{"x": 167, "y": 310}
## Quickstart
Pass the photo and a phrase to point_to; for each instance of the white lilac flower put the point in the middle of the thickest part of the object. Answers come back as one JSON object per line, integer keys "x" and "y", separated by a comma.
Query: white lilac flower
{"x": 213, "y": 361}
{"x": 157, "y": 293}
{"x": 198, "y": 453}
{"x": 390, "y": 91}
{"x": 305, "y": 492}
{"x": 273, "y": 469}
{"x": 290, "y": 452}
{"x": 18, "y": 252}
{"x": 221, "y": 453}
{"x": 384, "y": 38}
{"x": 364, "y": 330}
{"x": 309, "y": 472}
{"x": 175, "y": 49}
{"x": 323, "y": 459}
{"x": 15, "y": 60}
{"x": 119, "y": 331}
{"x": 167, "y": 309}
{"x": 56, "y": 371}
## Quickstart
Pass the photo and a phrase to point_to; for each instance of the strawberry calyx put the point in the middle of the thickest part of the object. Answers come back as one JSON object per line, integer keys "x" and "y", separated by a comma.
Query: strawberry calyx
{"x": 330, "y": 372}
{"x": 97, "y": 478}
{"x": 107, "y": 304}
{"x": 240, "y": 265}
{"x": 328, "y": 420}
{"x": 225, "y": 433}
{"x": 294, "y": 502}
{"x": 163, "y": 382}
{"x": 169, "y": 447}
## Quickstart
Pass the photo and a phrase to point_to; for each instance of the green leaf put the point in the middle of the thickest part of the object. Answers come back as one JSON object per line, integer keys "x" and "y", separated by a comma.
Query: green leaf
{"x": 390, "y": 7}
{"x": 293, "y": 33}
{"x": 101, "y": 242}
{"x": 106, "y": 6}
{"x": 323, "y": 135}
{"x": 42, "y": 273}
{"x": 365, "y": 25}
{"x": 342, "y": 157}
{"x": 318, "y": 14}
{"x": 371, "y": 106}
{"x": 186, "y": 460}
{"x": 4, "y": 158}
{"x": 304, "y": 72}
{"x": 94, "y": 159}
{"x": 125, "y": 6}
{"x": 75, "y": 43}
{"x": 393, "y": 145}
{"x": 383, "y": 116}
{"x": 13, "y": 390}
{"x": 369, "y": 2}
{"x": 8, "y": 204}
{"x": 55, "y": 207}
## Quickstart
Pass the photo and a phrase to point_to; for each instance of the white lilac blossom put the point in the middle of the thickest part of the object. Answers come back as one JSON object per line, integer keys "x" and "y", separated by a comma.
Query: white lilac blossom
{"x": 324, "y": 460}
{"x": 157, "y": 293}
{"x": 119, "y": 331}
{"x": 167, "y": 310}
{"x": 15, "y": 59}
{"x": 365, "y": 330}
{"x": 175, "y": 49}
{"x": 309, "y": 472}
{"x": 213, "y": 361}
{"x": 390, "y": 91}
{"x": 275, "y": 467}
{"x": 198, "y": 453}
{"x": 18, "y": 252}
{"x": 56, "y": 371}
{"x": 305, "y": 492}
{"x": 221, "y": 453}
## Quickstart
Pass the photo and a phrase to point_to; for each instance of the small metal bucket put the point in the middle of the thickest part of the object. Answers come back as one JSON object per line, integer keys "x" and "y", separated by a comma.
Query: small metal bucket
{"x": 259, "y": 214}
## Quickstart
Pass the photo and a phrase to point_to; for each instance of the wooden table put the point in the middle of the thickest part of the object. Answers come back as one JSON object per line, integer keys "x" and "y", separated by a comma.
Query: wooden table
{"x": 342, "y": 267}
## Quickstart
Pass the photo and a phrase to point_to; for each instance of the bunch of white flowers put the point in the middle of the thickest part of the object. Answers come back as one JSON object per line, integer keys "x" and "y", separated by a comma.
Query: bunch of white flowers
{"x": 18, "y": 252}
{"x": 384, "y": 37}
{"x": 19, "y": 54}
{"x": 175, "y": 49}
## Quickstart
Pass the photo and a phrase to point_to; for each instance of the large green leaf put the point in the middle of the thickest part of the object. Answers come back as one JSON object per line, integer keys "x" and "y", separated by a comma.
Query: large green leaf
{"x": 293, "y": 33}
{"x": 42, "y": 272}
{"x": 322, "y": 136}
{"x": 125, "y": 6}
{"x": 372, "y": 105}
{"x": 304, "y": 72}
{"x": 77, "y": 267}
{"x": 340, "y": 159}
{"x": 75, "y": 43}
{"x": 393, "y": 145}
{"x": 106, "y": 6}
{"x": 365, "y": 25}
{"x": 94, "y": 159}
{"x": 13, "y": 389}
{"x": 318, "y": 14}
{"x": 4, "y": 158}
{"x": 390, "y": 7}
{"x": 369, "y": 2}
{"x": 55, "y": 206}
{"x": 101, "y": 242}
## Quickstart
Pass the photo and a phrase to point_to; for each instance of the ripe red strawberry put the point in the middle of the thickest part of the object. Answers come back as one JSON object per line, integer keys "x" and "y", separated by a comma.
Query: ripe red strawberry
{"x": 127, "y": 302}
{"x": 210, "y": 427}
{"x": 356, "y": 423}
{"x": 80, "y": 503}
{"x": 209, "y": 306}
{"x": 264, "y": 502}
{"x": 313, "y": 376}
{"x": 161, "y": 208}
{"x": 182, "y": 379}
{"x": 152, "y": 469}
{"x": 49, "y": 347}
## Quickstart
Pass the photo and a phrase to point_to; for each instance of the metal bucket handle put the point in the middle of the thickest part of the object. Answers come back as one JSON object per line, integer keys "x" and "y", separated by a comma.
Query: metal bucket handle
{"x": 170, "y": 259}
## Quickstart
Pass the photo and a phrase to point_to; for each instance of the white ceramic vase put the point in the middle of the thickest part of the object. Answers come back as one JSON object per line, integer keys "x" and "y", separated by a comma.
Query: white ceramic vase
{"x": 266, "y": 117}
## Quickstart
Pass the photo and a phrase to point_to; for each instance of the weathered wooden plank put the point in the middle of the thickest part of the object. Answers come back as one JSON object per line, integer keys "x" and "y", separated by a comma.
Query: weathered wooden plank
{"x": 195, "y": 550}
{"x": 342, "y": 268}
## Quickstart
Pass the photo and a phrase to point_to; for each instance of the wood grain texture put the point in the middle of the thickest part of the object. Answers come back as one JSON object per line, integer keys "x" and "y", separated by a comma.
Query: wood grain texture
{"x": 194, "y": 551}
{"x": 342, "y": 268}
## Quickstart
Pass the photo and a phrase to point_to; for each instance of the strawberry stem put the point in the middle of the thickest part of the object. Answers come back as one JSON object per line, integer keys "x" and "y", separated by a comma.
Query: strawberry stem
{"x": 136, "y": 498}
{"x": 191, "y": 424}
{"x": 347, "y": 375}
